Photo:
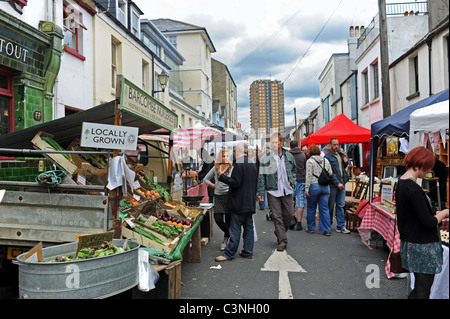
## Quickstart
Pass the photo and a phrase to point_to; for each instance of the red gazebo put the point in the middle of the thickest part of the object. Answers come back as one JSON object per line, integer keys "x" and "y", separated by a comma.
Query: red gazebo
{"x": 340, "y": 127}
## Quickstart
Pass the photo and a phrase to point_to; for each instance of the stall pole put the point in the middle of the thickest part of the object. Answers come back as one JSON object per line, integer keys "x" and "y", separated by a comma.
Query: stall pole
{"x": 116, "y": 193}
{"x": 373, "y": 163}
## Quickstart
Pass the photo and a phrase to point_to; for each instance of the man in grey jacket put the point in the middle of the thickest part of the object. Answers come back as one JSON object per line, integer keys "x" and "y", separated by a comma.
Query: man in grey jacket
{"x": 277, "y": 174}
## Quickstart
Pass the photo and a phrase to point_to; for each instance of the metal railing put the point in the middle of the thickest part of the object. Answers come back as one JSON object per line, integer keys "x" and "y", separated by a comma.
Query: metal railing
{"x": 407, "y": 8}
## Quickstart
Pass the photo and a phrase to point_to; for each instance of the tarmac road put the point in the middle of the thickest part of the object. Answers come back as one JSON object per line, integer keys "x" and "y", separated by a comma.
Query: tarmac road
{"x": 337, "y": 267}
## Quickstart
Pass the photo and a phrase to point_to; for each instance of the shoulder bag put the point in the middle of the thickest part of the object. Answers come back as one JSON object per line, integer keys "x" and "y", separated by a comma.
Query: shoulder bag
{"x": 324, "y": 178}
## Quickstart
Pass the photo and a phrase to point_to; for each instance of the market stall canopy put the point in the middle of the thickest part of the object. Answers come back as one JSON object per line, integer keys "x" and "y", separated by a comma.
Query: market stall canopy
{"x": 398, "y": 123}
{"x": 227, "y": 136}
{"x": 343, "y": 129}
{"x": 193, "y": 138}
{"x": 68, "y": 128}
{"x": 433, "y": 119}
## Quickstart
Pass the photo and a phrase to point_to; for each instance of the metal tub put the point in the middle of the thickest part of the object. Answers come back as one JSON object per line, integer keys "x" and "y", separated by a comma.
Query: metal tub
{"x": 82, "y": 279}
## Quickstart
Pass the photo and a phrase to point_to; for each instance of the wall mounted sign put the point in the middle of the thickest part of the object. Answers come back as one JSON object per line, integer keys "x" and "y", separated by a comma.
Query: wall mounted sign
{"x": 137, "y": 101}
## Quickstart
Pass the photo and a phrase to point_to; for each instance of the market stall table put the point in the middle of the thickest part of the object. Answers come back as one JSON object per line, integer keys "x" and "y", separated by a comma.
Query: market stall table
{"x": 207, "y": 224}
{"x": 380, "y": 219}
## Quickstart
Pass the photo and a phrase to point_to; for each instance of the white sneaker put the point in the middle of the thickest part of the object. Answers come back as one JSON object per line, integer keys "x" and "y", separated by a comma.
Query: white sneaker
{"x": 343, "y": 230}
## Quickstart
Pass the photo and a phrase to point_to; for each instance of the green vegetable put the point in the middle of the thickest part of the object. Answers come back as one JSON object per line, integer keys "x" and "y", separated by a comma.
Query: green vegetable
{"x": 105, "y": 249}
{"x": 55, "y": 145}
{"x": 141, "y": 231}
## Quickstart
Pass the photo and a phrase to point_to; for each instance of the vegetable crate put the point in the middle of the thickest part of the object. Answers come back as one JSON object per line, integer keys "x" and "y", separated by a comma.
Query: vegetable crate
{"x": 147, "y": 242}
{"x": 40, "y": 143}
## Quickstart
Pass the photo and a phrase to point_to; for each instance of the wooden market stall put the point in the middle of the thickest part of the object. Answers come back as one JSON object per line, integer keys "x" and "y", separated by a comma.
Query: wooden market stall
{"x": 62, "y": 142}
{"x": 412, "y": 122}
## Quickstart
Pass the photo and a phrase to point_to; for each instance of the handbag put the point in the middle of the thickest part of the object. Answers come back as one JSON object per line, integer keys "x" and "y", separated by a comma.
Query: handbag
{"x": 395, "y": 258}
{"x": 324, "y": 178}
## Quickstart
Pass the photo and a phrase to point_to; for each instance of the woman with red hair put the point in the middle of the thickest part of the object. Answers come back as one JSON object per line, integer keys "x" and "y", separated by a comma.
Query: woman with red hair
{"x": 420, "y": 247}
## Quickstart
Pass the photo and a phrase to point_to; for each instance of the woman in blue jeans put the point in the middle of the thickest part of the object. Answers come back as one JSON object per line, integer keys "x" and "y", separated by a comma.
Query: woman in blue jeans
{"x": 316, "y": 193}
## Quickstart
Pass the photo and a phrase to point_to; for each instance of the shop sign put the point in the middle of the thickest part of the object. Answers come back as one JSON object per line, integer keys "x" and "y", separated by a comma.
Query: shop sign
{"x": 13, "y": 50}
{"x": 106, "y": 136}
{"x": 136, "y": 101}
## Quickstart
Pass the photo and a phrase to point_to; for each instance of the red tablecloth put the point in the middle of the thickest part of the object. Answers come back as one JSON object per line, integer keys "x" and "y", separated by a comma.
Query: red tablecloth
{"x": 199, "y": 190}
{"x": 381, "y": 220}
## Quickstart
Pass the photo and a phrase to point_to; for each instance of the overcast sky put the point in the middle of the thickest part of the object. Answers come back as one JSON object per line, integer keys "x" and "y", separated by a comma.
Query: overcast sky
{"x": 272, "y": 39}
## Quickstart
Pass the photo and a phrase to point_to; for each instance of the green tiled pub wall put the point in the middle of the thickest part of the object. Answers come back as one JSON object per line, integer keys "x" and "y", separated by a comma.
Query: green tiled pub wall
{"x": 22, "y": 170}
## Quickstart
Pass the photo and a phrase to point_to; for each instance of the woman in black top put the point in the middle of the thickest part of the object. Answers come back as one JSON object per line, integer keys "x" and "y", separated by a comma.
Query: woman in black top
{"x": 420, "y": 246}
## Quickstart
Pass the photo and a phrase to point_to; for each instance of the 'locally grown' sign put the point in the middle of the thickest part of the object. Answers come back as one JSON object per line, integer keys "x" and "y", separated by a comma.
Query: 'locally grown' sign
{"x": 109, "y": 136}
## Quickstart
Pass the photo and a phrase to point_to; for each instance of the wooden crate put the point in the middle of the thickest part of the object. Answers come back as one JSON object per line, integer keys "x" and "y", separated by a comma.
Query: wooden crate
{"x": 58, "y": 159}
{"x": 168, "y": 285}
{"x": 192, "y": 253}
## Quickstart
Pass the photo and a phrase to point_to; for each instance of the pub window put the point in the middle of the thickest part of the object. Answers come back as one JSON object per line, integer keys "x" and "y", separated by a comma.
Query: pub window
{"x": 73, "y": 30}
{"x": 6, "y": 103}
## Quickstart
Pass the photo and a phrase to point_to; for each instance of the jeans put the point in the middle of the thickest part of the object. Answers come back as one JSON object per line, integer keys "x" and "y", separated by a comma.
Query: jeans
{"x": 337, "y": 196}
{"x": 239, "y": 220}
{"x": 282, "y": 213}
{"x": 318, "y": 194}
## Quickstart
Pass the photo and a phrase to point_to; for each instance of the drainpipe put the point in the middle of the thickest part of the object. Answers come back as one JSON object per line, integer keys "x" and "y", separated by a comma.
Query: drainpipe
{"x": 429, "y": 42}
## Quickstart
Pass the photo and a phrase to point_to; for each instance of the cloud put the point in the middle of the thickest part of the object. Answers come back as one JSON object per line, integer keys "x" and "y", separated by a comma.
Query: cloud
{"x": 262, "y": 39}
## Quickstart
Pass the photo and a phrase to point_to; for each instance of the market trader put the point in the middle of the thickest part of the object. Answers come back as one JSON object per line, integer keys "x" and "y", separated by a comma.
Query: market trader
{"x": 339, "y": 162}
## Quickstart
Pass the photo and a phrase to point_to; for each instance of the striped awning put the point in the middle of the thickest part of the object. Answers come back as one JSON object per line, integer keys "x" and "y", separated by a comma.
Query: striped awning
{"x": 193, "y": 138}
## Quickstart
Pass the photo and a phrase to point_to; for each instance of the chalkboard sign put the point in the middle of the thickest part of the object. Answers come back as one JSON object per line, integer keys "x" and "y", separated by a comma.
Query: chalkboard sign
{"x": 92, "y": 240}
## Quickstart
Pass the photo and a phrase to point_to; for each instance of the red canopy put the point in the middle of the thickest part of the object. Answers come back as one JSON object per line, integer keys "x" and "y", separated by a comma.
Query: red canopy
{"x": 340, "y": 127}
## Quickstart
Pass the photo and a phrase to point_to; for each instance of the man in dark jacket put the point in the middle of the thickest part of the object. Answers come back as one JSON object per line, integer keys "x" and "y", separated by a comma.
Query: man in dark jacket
{"x": 339, "y": 162}
{"x": 299, "y": 190}
{"x": 241, "y": 204}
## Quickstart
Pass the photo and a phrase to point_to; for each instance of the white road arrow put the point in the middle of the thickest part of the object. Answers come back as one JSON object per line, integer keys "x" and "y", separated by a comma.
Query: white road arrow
{"x": 284, "y": 263}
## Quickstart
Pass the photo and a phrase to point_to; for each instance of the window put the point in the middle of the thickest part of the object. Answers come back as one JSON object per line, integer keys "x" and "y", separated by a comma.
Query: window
{"x": 114, "y": 64}
{"x": 135, "y": 24}
{"x": 414, "y": 75}
{"x": 173, "y": 40}
{"x": 376, "y": 86}
{"x": 6, "y": 103}
{"x": 73, "y": 30}
{"x": 121, "y": 12}
{"x": 365, "y": 79}
{"x": 151, "y": 44}
{"x": 144, "y": 75}
{"x": 326, "y": 110}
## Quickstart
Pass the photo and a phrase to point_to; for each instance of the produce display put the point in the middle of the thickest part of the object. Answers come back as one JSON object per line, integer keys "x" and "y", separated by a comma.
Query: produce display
{"x": 167, "y": 231}
{"x": 173, "y": 220}
{"x": 158, "y": 188}
{"x": 105, "y": 249}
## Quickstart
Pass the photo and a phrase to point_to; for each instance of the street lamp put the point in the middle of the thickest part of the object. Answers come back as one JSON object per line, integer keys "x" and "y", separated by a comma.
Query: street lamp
{"x": 163, "y": 78}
